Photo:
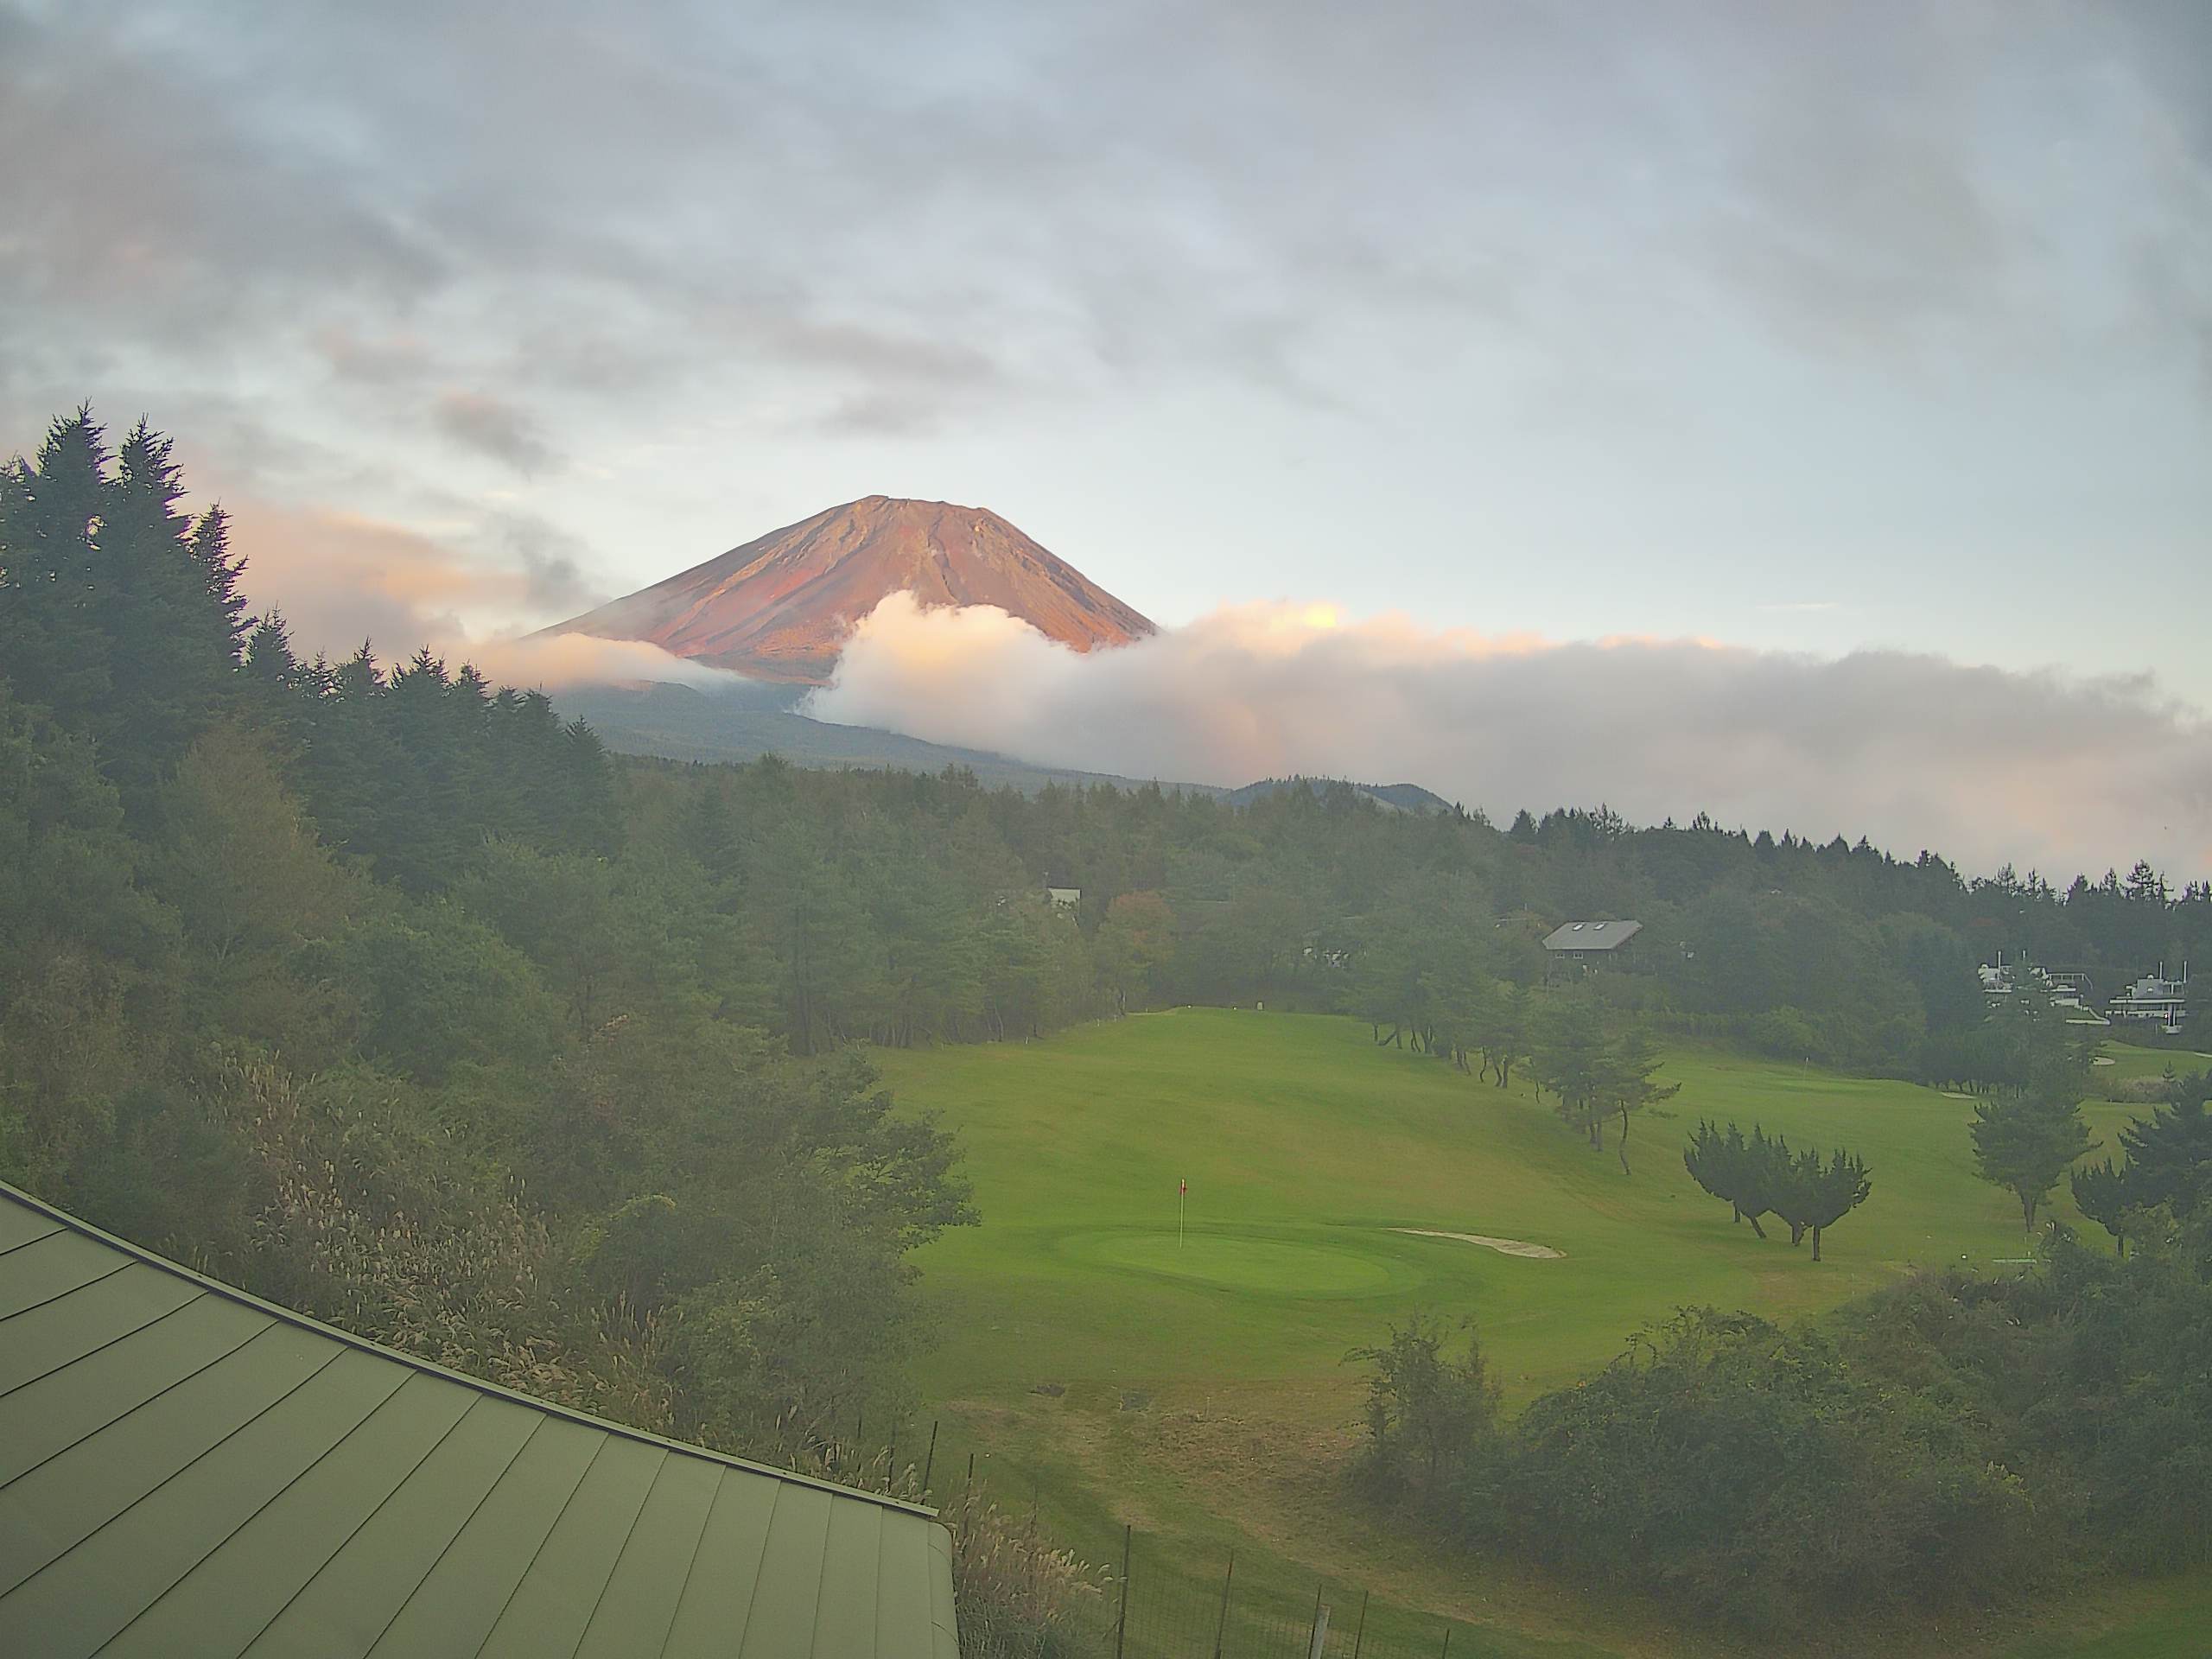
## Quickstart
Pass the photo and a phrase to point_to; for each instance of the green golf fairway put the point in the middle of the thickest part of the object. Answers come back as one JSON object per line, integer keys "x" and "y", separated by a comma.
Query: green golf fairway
{"x": 1199, "y": 1389}
{"x": 1266, "y": 1267}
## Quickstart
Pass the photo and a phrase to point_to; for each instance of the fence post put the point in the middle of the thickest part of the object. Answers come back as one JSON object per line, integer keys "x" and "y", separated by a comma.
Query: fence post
{"x": 1359, "y": 1633}
{"x": 1320, "y": 1635}
{"x": 930, "y": 1462}
{"x": 1221, "y": 1624}
{"x": 1121, "y": 1613}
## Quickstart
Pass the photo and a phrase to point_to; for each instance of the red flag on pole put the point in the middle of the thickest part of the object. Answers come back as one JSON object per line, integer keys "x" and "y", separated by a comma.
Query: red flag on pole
{"x": 1184, "y": 1190}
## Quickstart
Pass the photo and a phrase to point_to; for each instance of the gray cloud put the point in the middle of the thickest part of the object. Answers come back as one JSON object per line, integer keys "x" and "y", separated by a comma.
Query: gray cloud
{"x": 162, "y": 206}
{"x": 553, "y": 563}
{"x": 883, "y": 414}
{"x": 988, "y": 201}
{"x": 396, "y": 360}
{"x": 2043, "y": 770}
{"x": 492, "y": 426}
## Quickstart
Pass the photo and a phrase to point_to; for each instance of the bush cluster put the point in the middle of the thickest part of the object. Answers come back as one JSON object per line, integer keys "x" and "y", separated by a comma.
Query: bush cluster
{"x": 1956, "y": 1443}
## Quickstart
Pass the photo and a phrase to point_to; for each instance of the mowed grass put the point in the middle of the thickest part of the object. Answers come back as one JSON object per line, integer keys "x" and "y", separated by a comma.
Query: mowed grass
{"x": 1304, "y": 1145}
{"x": 2129, "y": 1061}
{"x": 1196, "y": 1385}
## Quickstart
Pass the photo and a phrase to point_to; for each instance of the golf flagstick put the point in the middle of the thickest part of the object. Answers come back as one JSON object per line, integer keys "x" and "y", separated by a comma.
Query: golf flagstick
{"x": 1182, "y": 1197}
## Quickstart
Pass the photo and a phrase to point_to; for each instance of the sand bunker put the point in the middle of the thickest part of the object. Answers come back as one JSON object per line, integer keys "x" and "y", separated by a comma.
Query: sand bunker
{"x": 1502, "y": 1246}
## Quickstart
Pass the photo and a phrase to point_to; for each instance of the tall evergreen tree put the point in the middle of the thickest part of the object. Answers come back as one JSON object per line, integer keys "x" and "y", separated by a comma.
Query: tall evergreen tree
{"x": 2102, "y": 1193}
{"x": 1631, "y": 1082}
{"x": 1571, "y": 1058}
{"x": 2169, "y": 1152}
{"x": 54, "y": 578}
{"x": 2023, "y": 1144}
{"x": 171, "y": 612}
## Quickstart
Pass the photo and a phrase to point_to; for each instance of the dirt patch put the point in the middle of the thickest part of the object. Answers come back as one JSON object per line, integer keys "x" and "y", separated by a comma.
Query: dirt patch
{"x": 1502, "y": 1246}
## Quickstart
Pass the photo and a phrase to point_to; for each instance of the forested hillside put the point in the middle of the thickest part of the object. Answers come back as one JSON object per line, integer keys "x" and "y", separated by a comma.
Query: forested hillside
{"x": 381, "y": 990}
{"x": 380, "y": 993}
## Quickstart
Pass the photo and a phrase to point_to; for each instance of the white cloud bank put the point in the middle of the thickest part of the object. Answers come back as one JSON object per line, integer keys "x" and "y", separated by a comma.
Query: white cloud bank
{"x": 1984, "y": 764}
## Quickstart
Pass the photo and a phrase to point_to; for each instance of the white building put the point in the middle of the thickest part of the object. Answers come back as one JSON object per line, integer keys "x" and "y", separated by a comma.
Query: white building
{"x": 2155, "y": 1001}
{"x": 2067, "y": 990}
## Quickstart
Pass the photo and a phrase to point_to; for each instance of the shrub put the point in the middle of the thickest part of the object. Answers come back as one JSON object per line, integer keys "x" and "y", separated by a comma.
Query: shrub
{"x": 1431, "y": 1418}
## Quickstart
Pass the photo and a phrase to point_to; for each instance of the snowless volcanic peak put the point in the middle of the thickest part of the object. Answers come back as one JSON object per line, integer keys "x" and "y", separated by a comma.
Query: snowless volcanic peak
{"x": 781, "y": 607}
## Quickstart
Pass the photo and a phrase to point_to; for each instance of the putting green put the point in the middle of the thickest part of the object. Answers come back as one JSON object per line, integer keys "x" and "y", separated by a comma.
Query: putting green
{"x": 1273, "y": 1266}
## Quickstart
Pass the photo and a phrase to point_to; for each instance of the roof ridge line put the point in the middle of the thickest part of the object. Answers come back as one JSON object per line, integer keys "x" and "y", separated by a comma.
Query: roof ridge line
{"x": 294, "y": 1317}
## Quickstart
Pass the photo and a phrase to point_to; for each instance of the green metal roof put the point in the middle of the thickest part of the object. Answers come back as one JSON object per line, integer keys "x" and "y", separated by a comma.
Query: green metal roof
{"x": 185, "y": 1470}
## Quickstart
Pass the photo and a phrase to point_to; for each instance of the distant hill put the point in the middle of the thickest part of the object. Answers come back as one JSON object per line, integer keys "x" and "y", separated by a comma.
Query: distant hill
{"x": 1405, "y": 797}
{"x": 753, "y": 718}
{"x": 679, "y": 723}
{"x": 781, "y": 607}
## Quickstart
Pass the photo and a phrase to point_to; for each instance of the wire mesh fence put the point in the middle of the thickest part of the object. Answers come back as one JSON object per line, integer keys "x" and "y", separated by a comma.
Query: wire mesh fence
{"x": 1019, "y": 1597}
{"x": 1167, "y": 1611}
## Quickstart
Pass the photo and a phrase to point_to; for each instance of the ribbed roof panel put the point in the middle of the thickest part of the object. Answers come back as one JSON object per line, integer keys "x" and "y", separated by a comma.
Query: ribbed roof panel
{"x": 186, "y": 1471}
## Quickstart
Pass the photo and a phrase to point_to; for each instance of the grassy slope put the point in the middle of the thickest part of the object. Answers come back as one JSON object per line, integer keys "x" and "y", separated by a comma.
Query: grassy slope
{"x": 1197, "y": 1389}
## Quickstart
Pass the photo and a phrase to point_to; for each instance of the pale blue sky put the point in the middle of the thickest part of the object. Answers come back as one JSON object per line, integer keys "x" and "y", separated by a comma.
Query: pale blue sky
{"x": 1804, "y": 326}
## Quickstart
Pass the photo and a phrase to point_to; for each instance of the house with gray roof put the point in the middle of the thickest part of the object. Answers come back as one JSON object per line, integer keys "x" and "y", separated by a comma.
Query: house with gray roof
{"x": 1590, "y": 938}
{"x": 1589, "y": 942}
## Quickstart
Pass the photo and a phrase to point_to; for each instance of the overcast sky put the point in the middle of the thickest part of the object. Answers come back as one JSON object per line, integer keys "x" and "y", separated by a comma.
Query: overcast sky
{"x": 1807, "y": 327}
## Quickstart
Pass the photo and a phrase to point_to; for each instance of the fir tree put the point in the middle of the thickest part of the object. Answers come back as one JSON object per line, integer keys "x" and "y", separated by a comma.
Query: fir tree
{"x": 2169, "y": 1152}
{"x": 53, "y": 573}
{"x": 2102, "y": 1193}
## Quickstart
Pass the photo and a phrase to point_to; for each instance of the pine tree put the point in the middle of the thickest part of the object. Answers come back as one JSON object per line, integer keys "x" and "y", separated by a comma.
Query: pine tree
{"x": 225, "y": 621}
{"x": 2024, "y": 1144}
{"x": 1748, "y": 1175}
{"x": 1571, "y": 1058}
{"x": 115, "y": 611}
{"x": 1629, "y": 1083}
{"x": 1814, "y": 1195}
{"x": 269, "y": 658}
{"x": 2169, "y": 1152}
{"x": 52, "y": 575}
{"x": 170, "y": 615}
{"x": 2102, "y": 1193}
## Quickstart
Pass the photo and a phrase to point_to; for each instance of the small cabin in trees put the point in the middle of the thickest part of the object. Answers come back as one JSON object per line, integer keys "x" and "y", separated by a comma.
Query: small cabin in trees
{"x": 1589, "y": 943}
{"x": 1064, "y": 898}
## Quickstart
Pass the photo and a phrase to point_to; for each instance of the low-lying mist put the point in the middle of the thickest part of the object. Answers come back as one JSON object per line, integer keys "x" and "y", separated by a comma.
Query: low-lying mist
{"x": 1984, "y": 764}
